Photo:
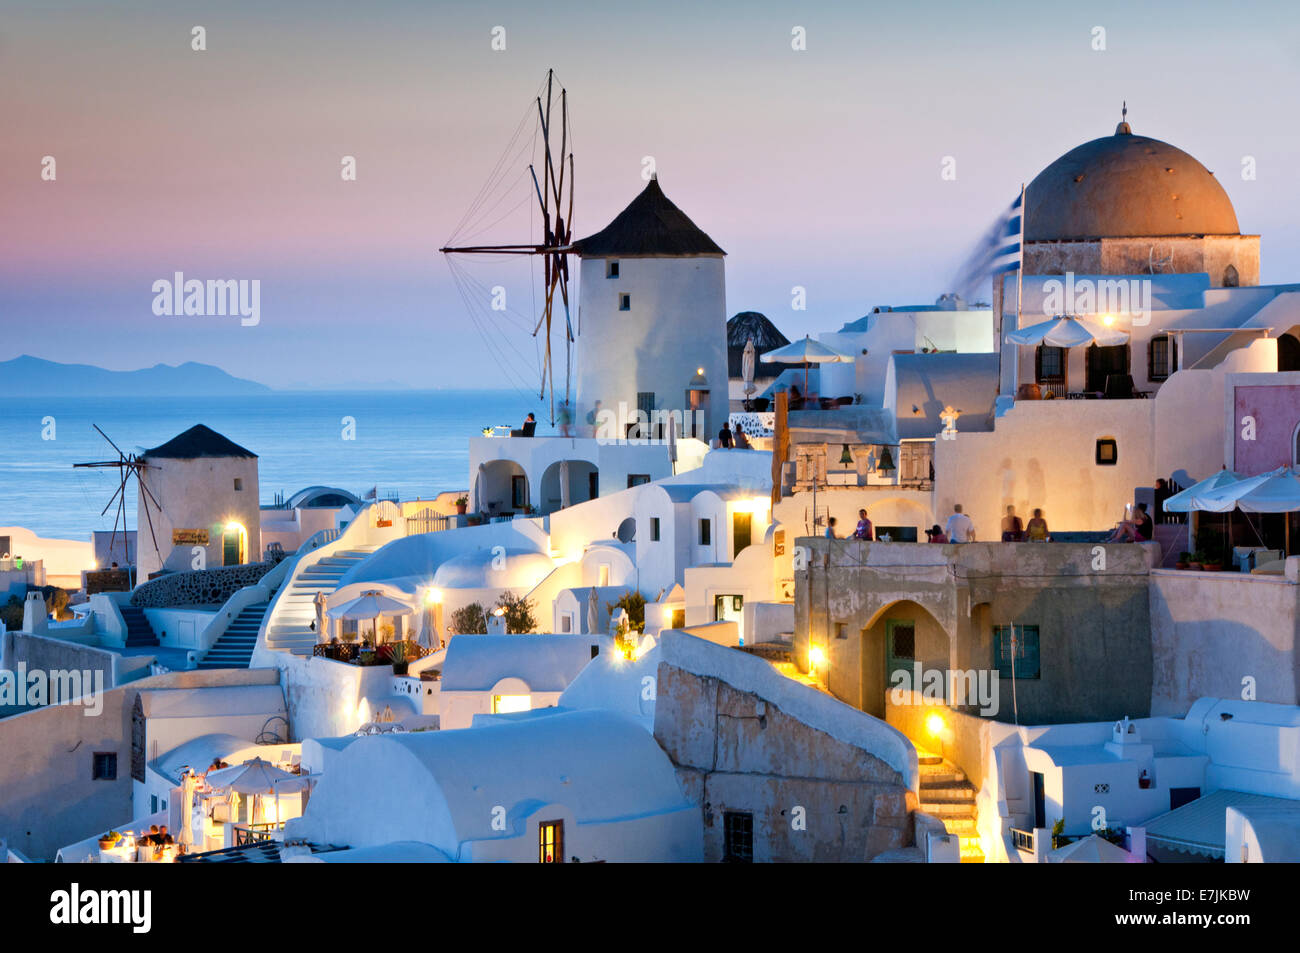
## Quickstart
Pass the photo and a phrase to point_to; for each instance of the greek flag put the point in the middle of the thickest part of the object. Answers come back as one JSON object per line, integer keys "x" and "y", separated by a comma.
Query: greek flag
{"x": 1007, "y": 256}
{"x": 998, "y": 251}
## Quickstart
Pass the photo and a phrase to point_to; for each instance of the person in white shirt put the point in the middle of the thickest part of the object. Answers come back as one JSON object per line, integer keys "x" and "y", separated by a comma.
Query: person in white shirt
{"x": 960, "y": 528}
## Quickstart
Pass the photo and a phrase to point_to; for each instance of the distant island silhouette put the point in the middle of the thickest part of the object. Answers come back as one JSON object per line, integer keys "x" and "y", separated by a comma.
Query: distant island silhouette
{"x": 28, "y": 376}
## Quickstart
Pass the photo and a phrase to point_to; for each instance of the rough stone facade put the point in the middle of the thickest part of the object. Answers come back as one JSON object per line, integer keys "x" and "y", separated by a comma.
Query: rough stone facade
{"x": 204, "y": 587}
{"x": 1177, "y": 254}
{"x": 1089, "y": 603}
{"x": 811, "y": 797}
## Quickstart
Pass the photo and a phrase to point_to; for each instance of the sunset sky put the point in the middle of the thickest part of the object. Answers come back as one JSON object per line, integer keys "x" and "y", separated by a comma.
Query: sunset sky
{"x": 819, "y": 168}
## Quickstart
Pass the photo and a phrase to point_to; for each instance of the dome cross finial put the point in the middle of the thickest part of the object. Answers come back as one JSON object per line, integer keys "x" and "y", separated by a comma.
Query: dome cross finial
{"x": 1123, "y": 129}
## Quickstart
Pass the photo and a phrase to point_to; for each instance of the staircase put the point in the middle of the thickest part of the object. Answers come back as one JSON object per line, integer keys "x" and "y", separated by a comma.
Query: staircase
{"x": 235, "y": 647}
{"x": 138, "y": 630}
{"x": 947, "y": 795}
{"x": 289, "y": 627}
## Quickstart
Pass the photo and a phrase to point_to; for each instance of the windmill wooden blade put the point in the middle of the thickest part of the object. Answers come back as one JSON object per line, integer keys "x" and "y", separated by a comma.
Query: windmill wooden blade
{"x": 556, "y": 229}
{"x": 110, "y": 442}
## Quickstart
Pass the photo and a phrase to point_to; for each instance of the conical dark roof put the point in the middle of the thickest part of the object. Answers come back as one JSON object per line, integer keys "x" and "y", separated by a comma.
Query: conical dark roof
{"x": 651, "y": 227}
{"x": 740, "y": 328}
{"x": 198, "y": 441}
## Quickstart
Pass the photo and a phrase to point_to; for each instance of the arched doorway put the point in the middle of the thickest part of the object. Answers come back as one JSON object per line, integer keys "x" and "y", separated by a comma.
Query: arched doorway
{"x": 1288, "y": 352}
{"x": 501, "y": 488}
{"x": 902, "y": 648}
{"x": 567, "y": 482}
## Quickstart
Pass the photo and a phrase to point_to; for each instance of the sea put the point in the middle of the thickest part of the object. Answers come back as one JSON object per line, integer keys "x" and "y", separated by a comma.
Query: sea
{"x": 406, "y": 444}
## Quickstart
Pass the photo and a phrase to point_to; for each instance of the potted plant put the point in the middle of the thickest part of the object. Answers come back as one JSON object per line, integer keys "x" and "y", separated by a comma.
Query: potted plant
{"x": 1195, "y": 560}
{"x": 1212, "y": 564}
{"x": 399, "y": 653}
{"x": 1183, "y": 559}
{"x": 109, "y": 840}
{"x": 462, "y": 504}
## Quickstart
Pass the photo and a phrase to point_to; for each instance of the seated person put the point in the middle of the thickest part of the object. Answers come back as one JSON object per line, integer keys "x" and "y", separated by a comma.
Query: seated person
{"x": 1036, "y": 530}
{"x": 830, "y": 528}
{"x": 530, "y": 425}
{"x": 163, "y": 839}
{"x": 148, "y": 840}
{"x": 1140, "y": 529}
{"x": 1012, "y": 529}
{"x": 935, "y": 534}
{"x": 741, "y": 439}
{"x": 864, "y": 530}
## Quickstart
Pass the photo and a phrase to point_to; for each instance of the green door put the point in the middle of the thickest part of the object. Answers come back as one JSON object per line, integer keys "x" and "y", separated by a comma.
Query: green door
{"x": 230, "y": 549}
{"x": 900, "y": 649}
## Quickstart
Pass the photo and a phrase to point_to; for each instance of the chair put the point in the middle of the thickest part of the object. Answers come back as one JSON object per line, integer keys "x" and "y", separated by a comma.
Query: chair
{"x": 1119, "y": 387}
{"x": 527, "y": 430}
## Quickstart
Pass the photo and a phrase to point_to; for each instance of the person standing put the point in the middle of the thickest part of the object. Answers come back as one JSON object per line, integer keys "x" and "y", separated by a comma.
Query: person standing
{"x": 960, "y": 528}
{"x": 566, "y": 420}
{"x": 593, "y": 418}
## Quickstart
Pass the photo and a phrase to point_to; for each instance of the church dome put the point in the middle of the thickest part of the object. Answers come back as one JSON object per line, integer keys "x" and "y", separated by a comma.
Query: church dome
{"x": 1126, "y": 186}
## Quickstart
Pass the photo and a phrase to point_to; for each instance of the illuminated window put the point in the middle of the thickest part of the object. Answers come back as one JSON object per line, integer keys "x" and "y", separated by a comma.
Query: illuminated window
{"x": 738, "y": 837}
{"x": 508, "y": 703}
{"x": 550, "y": 842}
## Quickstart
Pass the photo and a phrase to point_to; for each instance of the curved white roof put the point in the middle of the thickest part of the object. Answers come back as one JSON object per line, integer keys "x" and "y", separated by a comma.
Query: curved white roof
{"x": 441, "y": 787}
{"x": 521, "y": 570}
{"x": 547, "y": 663}
{"x": 613, "y": 683}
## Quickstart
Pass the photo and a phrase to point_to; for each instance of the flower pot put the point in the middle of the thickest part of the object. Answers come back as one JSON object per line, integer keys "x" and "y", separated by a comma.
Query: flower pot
{"x": 1212, "y": 567}
{"x": 1194, "y": 566}
{"x": 1180, "y": 565}
{"x": 461, "y": 508}
{"x": 400, "y": 668}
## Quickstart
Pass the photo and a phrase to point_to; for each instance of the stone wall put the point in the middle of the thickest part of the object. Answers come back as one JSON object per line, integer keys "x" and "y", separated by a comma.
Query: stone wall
{"x": 204, "y": 587}
{"x": 812, "y": 796}
{"x": 1089, "y": 602}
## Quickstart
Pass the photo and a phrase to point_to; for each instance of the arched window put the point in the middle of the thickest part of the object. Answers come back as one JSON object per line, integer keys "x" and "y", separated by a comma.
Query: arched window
{"x": 1230, "y": 277}
{"x": 1295, "y": 446}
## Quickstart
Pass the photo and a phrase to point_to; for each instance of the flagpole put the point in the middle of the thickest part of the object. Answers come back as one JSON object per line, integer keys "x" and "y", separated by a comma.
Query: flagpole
{"x": 1020, "y": 274}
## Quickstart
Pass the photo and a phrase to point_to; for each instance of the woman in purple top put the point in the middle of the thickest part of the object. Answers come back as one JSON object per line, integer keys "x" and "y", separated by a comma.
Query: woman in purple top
{"x": 864, "y": 526}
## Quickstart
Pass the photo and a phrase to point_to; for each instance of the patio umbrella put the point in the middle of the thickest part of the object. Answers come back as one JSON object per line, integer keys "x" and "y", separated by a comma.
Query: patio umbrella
{"x": 371, "y": 604}
{"x": 185, "y": 835}
{"x": 256, "y": 778}
{"x": 1090, "y": 850}
{"x": 322, "y": 634}
{"x": 564, "y": 484}
{"x": 1067, "y": 331}
{"x": 1191, "y": 498}
{"x": 806, "y": 352}
{"x": 1198, "y": 494}
{"x": 747, "y": 366}
{"x": 593, "y": 611}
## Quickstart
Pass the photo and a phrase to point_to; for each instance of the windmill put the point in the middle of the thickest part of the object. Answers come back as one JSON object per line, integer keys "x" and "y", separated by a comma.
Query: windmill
{"x": 554, "y": 194}
{"x": 128, "y": 465}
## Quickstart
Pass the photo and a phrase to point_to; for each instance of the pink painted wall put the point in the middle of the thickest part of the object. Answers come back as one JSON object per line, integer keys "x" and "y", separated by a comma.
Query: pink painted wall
{"x": 1276, "y": 409}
